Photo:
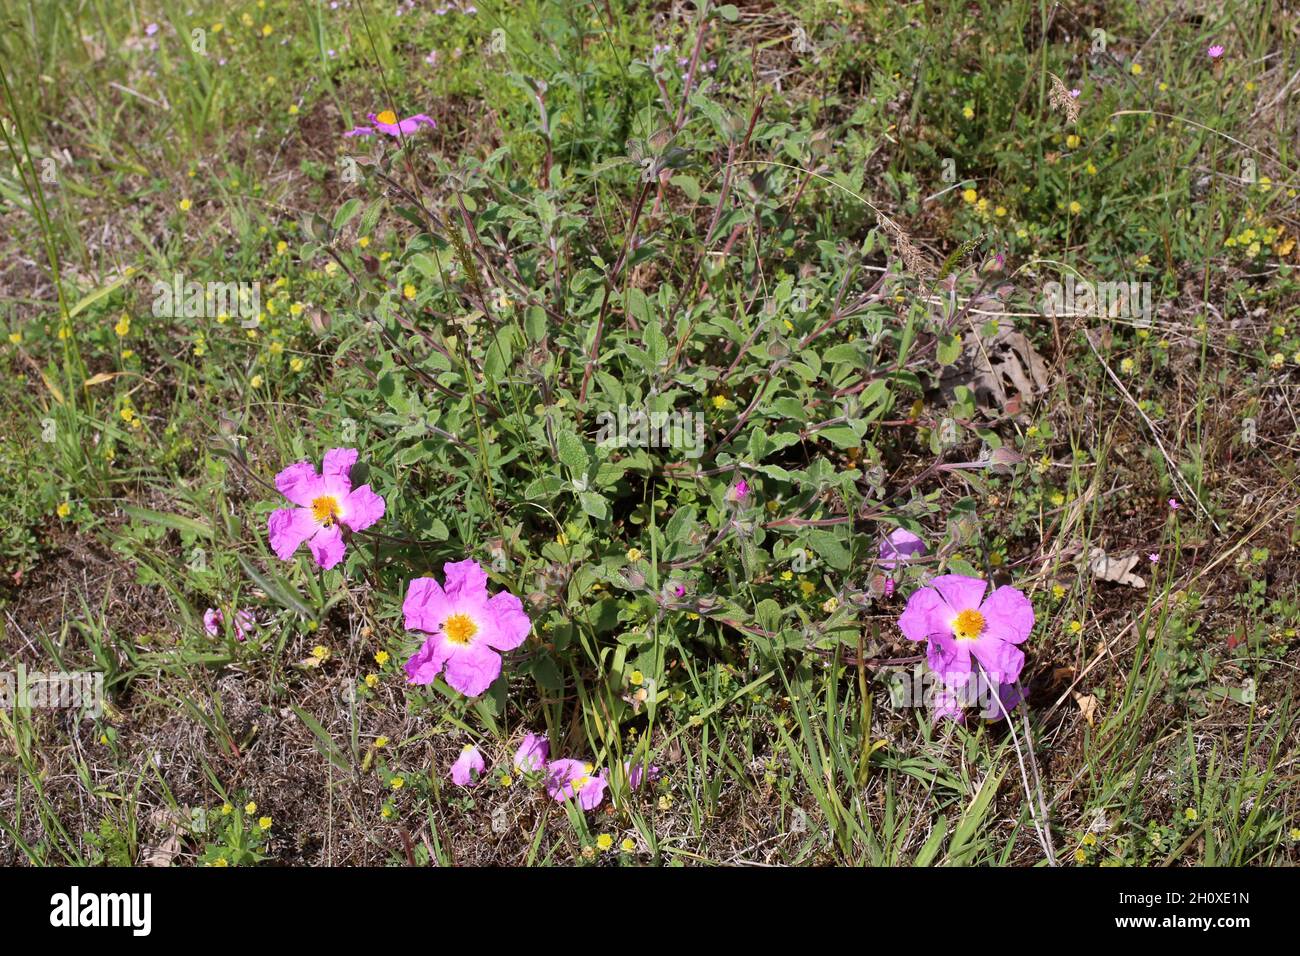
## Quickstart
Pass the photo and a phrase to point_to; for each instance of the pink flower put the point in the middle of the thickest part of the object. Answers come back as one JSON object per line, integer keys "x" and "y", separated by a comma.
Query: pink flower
{"x": 637, "y": 772}
{"x": 899, "y": 548}
{"x": 151, "y": 29}
{"x": 1173, "y": 504}
{"x": 956, "y": 620}
{"x": 326, "y": 504}
{"x": 467, "y": 629}
{"x": 1214, "y": 52}
{"x": 1153, "y": 558}
{"x": 567, "y": 779}
{"x": 1075, "y": 94}
{"x": 213, "y": 619}
{"x": 532, "y": 753}
{"x": 387, "y": 123}
{"x": 468, "y": 767}
{"x": 738, "y": 491}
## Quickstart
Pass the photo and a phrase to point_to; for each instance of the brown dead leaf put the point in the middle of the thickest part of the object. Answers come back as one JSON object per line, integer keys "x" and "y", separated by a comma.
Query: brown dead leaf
{"x": 1117, "y": 568}
{"x": 1087, "y": 706}
{"x": 1000, "y": 370}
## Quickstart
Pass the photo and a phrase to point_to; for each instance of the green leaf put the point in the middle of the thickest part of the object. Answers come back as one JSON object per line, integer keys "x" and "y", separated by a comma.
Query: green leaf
{"x": 572, "y": 454}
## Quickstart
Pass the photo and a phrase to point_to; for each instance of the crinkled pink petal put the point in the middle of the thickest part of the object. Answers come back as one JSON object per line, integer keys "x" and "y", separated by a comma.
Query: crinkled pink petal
{"x": 925, "y": 614}
{"x": 288, "y": 528}
{"x": 961, "y": 592}
{"x": 468, "y": 767}
{"x": 637, "y": 772}
{"x": 899, "y": 548}
{"x": 1001, "y": 661}
{"x": 532, "y": 753}
{"x": 300, "y": 483}
{"x": 589, "y": 796}
{"x": 327, "y": 546}
{"x": 212, "y": 621}
{"x": 427, "y": 663}
{"x": 426, "y": 606}
{"x": 339, "y": 461}
{"x": 471, "y": 668}
{"x": 948, "y": 705}
{"x": 362, "y": 508}
{"x": 511, "y": 624}
{"x": 360, "y": 131}
{"x": 948, "y": 658}
{"x": 465, "y": 582}
{"x": 1008, "y": 615}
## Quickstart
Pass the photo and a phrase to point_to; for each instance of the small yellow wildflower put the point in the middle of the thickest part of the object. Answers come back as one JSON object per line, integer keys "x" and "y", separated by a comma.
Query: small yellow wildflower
{"x": 634, "y": 554}
{"x": 255, "y": 381}
{"x": 63, "y": 510}
{"x": 123, "y": 326}
{"x": 604, "y": 842}
{"x": 636, "y": 678}
{"x": 1076, "y": 627}
{"x": 1058, "y": 592}
{"x": 372, "y": 681}
{"x": 807, "y": 587}
{"x": 628, "y": 845}
{"x": 969, "y": 195}
{"x": 1136, "y": 69}
{"x": 1191, "y": 814}
{"x": 967, "y": 112}
{"x": 363, "y": 242}
{"x": 1080, "y": 855}
{"x": 250, "y": 807}
{"x": 1089, "y": 839}
{"x": 1076, "y": 207}
{"x": 381, "y": 742}
{"x": 397, "y": 783}
{"x": 381, "y": 658}
{"x": 264, "y": 823}
{"x": 408, "y": 291}
{"x": 719, "y": 401}
{"x": 295, "y": 364}
{"x": 293, "y": 109}
{"x": 320, "y": 652}
{"x": 227, "y": 809}
{"x": 185, "y": 204}
{"x": 266, "y": 30}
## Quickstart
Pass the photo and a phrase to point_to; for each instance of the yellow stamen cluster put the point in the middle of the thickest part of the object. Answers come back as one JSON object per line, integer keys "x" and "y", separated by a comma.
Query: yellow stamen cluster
{"x": 325, "y": 509}
{"x": 968, "y": 626}
{"x": 459, "y": 629}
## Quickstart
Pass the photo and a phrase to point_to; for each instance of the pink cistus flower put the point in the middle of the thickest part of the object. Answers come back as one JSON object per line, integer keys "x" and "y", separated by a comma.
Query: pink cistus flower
{"x": 959, "y": 623}
{"x": 739, "y": 491}
{"x": 469, "y": 766}
{"x": 900, "y": 547}
{"x": 213, "y": 619}
{"x": 326, "y": 504}
{"x": 388, "y": 124}
{"x": 1214, "y": 52}
{"x": 637, "y": 772}
{"x": 467, "y": 629}
{"x": 575, "y": 779}
{"x": 532, "y": 753}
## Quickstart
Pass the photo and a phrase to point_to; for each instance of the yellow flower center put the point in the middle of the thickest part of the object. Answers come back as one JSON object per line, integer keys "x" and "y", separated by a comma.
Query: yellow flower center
{"x": 325, "y": 509}
{"x": 459, "y": 629}
{"x": 388, "y": 117}
{"x": 968, "y": 626}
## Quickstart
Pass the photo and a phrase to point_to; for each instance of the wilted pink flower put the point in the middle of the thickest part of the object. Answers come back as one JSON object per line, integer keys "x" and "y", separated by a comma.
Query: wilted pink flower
{"x": 213, "y": 619}
{"x": 326, "y": 503}
{"x": 387, "y": 123}
{"x": 468, "y": 767}
{"x": 899, "y": 548}
{"x": 532, "y": 753}
{"x": 467, "y": 629}
{"x": 567, "y": 779}
{"x": 739, "y": 490}
{"x": 956, "y": 620}
{"x": 1214, "y": 52}
{"x": 637, "y": 772}
{"x": 948, "y": 705}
